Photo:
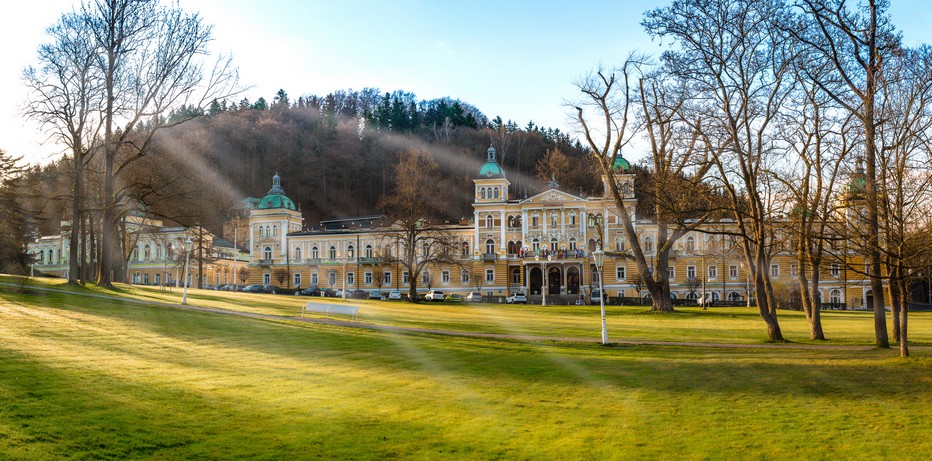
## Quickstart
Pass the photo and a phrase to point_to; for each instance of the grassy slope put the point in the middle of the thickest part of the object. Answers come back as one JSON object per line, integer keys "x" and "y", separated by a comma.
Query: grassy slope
{"x": 87, "y": 378}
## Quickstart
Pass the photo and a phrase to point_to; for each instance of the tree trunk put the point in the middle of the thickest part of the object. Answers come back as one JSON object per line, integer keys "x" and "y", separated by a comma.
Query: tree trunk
{"x": 904, "y": 322}
{"x": 74, "y": 242}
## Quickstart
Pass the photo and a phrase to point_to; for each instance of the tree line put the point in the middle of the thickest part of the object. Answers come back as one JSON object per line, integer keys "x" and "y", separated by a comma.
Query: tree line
{"x": 803, "y": 124}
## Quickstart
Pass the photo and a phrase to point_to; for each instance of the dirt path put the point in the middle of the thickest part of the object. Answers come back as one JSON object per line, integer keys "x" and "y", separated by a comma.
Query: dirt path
{"x": 466, "y": 334}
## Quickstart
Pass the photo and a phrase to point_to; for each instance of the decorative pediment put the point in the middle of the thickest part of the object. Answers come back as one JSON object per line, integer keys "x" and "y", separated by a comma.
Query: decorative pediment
{"x": 553, "y": 196}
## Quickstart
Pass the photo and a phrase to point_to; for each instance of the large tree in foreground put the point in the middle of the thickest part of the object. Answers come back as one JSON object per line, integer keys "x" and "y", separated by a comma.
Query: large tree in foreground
{"x": 734, "y": 58}
{"x": 149, "y": 59}
{"x": 413, "y": 210}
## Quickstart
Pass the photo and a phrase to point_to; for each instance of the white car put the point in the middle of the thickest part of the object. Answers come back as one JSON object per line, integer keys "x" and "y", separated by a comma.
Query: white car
{"x": 474, "y": 297}
{"x": 517, "y": 298}
{"x": 434, "y": 295}
{"x": 394, "y": 296}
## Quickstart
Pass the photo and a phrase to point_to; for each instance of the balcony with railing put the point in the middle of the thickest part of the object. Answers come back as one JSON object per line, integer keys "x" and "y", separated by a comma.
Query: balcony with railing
{"x": 265, "y": 262}
{"x": 370, "y": 260}
{"x": 489, "y": 257}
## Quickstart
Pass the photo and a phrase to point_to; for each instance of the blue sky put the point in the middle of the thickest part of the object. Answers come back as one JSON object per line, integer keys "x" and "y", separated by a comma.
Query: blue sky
{"x": 512, "y": 59}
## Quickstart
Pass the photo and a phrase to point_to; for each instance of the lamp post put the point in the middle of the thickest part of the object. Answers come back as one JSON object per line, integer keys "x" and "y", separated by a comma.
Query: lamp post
{"x": 543, "y": 264}
{"x": 187, "y": 257}
{"x": 345, "y": 260}
{"x": 599, "y": 256}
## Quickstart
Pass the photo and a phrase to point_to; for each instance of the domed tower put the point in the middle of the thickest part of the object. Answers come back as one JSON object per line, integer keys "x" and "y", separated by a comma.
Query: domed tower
{"x": 491, "y": 184}
{"x": 623, "y": 177}
{"x": 269, "y": 225}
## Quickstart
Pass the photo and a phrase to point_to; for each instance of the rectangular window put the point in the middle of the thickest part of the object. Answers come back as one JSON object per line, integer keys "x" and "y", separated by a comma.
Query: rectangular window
{"x": 464, "y": 276}
{"x": 490, "y": 275}
{"x": 690, "y": 272}
{"x": 145, "y": 279}
{"x": 386, "y": 278}
{"x": 794, "y": 270}
{"x": 774, "y": 270}
{"x": 713, "y": 272}
{"x": 733, "y": 272}
{"x": 516, "y": 277}
{"x": 405, "y": 277}
{"x": 425, "y": 277}
{"x": 297, "y": 279}
{"x": 314, "y": 278}
{"x": 836, "y": 270}
{"x": 158, "y": 279}
{"x": 368, "y": 278}
{"x": 266, "y": 279}
{"x": 445, "y": 276}
{"x": 671, "y": 273}
{"x": 620, "y": 273}
{"x": 350, "y": 278}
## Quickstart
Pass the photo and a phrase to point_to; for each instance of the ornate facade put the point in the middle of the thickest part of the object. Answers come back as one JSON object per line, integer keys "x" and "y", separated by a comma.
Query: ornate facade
{"x": 535, "y": 244}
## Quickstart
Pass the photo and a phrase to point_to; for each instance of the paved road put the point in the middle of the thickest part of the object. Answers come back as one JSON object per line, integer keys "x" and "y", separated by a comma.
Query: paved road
{"x": 466, "y": 334}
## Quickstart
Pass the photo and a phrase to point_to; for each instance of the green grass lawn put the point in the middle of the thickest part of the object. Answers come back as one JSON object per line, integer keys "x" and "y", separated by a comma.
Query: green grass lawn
{"x": 85, "y": 378}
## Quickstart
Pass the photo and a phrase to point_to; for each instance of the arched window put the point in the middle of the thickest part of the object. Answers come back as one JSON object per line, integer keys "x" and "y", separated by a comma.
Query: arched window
{"x": 465, "y": 249}
{"x": 572, "y": 219}
{"x": 553, "y": 218}
{"x": 648, "y": 244}
{"x": 387, "y": 251}
{"x": 315, "y": 253}
{"x": 535, "y": 220}
{"x": 489, "y": 221}
{"x": 297, "y": 253}
{"x": 572, "y": 244}
{"x": 482, "y": 192}
{"x": 535, "y": 245}
{"x": 170, "y": 252}
{"x": 835, "y": 296}
{"x": 158, "y": 251}
{"x": 135, "y": 256}
{"x": 734, "y": 296}
{"x": 553, "y": 245}
{"x": 350, "y": 251}
{"x": 690, "y": 244}
{"x": 368, "y": 251}
{"x": 489, "y": 246}
{"x": 147, "y": 252}
{"x": 333, "y": 252}
{"x": 267, "y": 254}
{"x": 620, "y": 244}
{"x": 259, "y": 231}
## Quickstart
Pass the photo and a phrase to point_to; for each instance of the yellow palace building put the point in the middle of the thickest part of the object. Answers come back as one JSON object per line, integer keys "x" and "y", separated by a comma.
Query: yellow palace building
{"x": 533, "y": 245}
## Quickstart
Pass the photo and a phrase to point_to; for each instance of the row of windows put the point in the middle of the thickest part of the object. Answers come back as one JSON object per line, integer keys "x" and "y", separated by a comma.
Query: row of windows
{"x": 386, "y": 278}
{"x": 712, "y": 271}
{"x": 267, "y": 231}
{"x": 489, "y": 192}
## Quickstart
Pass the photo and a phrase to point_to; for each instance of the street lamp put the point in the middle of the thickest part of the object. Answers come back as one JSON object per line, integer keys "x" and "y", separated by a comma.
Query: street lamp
{"x": 599, "y": 256}
{"x": 543, "y": 263}
{"x": 187, "y": 257}
{"x": 345, "y": 260}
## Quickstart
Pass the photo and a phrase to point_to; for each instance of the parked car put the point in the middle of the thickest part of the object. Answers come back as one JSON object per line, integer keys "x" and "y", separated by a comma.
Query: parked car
{"x": 453, "y": 298}
{"x": 309, "y": 291}
{"x": 594, "y": 297}
{"x": 516, "y": 298}
{"x": 327, "y": 292}
{"x": 223, "y": 287}
{"x": 474, "y": 297}
{"x": 358, "y": 294}
{"x": 394, "y": 296}
{"x": 375, "y": 294}
{"x": 338, "y": 293}
{"x": 259, "y": 289}
{"x": 434, "y": 295}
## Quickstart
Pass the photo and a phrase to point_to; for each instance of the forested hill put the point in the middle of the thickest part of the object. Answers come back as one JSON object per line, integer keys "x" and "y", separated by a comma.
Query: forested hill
{"x": 336, "y": 153}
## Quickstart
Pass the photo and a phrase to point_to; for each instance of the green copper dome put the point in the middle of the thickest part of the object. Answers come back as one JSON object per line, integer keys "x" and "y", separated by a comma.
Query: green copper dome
{"x": 621, "y": 163}
{"x": 491, "y": 169}
{"x": 276, "y": 197}
{"x": 857, "y": 185}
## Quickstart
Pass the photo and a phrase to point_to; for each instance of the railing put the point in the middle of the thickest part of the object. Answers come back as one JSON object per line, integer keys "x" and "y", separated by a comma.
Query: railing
{"x": 311, "y": 261}
{"x": 370, "y": 260}
{"x": 265, "y": 262}
{"x": 489, "y": 257}
{"x": 557, "y": 255}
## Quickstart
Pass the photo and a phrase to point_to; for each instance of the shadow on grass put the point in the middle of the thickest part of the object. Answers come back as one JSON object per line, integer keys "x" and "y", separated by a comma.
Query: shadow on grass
{"x": 764, "y": 372}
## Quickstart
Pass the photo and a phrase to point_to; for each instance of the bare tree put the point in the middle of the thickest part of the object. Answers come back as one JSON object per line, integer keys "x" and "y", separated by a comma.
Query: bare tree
{"x": 242, "y": 274}
{"x": 149, "y": 60}
{"x": 280, "y": 274}
{"x": 677, "y": 163}
{"x": 412, "y": 209}
{"x": 66, "y": 99}
{"x": 733, "y": 58}
{"x": 855, "y": 43}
